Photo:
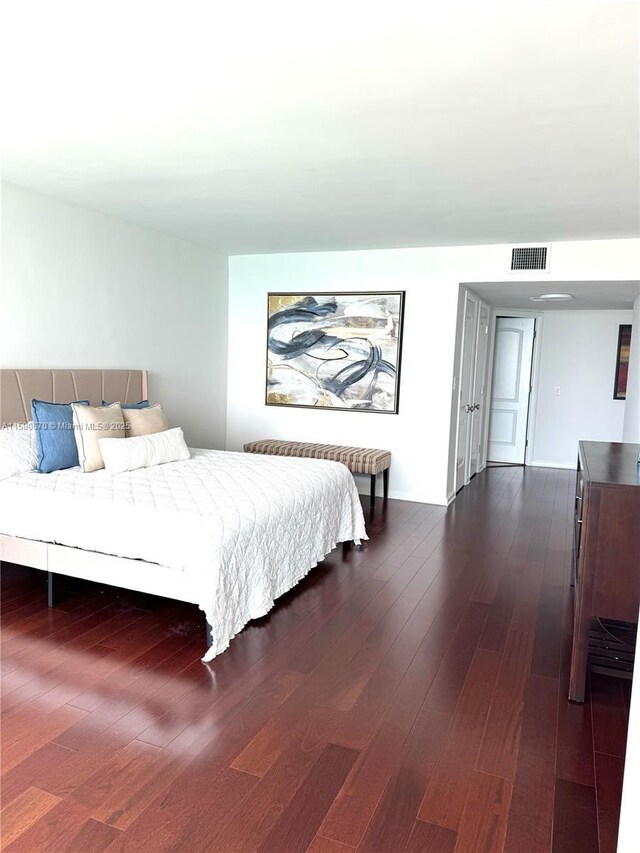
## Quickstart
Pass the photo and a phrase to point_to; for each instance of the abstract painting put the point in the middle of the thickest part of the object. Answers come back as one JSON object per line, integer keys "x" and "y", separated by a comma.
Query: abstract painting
{"x": 622, "y": 363}
{"x": 335, "y": 350}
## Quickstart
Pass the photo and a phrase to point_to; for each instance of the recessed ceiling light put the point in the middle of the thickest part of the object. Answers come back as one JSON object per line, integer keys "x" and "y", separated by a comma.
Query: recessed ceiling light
{"x": 552, "y": 297}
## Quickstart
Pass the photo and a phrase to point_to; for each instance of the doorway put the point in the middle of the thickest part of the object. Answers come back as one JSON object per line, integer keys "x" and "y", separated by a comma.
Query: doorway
{"x": 511, "y": 389}
{"x": 569, "y": 394}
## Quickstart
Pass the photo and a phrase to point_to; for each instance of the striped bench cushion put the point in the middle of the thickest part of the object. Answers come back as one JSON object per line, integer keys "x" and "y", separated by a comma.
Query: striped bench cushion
{"x": 359, "y": 460}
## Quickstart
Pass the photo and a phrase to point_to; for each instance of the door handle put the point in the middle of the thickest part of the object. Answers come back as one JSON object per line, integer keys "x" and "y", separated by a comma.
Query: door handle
{"x": 476, "y": 406}
{"x": 468, "y": 408}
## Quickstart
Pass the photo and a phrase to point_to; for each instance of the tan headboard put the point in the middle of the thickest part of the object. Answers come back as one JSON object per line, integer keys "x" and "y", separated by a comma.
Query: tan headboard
{"x": 19, "y": 387}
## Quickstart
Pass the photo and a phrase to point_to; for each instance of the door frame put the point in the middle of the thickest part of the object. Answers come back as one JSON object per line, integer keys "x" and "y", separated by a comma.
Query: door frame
{"x": 538, "y": 316}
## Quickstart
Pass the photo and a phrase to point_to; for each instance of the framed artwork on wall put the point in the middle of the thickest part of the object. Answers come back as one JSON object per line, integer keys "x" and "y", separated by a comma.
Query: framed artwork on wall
{"x": 622, "y": 363}
{"x": 338, "y": 351}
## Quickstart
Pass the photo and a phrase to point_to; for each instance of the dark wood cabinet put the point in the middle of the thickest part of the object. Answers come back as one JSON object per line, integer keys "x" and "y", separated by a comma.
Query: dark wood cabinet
{"x": 606, "y": 545}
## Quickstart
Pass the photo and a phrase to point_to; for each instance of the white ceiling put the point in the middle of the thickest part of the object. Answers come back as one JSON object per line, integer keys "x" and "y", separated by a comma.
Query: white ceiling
{"x": 291, "y": 126}
{"x": 587, "y": 295}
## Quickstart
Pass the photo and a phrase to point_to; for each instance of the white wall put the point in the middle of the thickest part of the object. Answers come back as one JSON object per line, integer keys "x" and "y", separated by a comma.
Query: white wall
{"x": 578, "y": 355}
{"x": 250, "y": 280}
{"x": 419, "y": 435}
{"x": 83, "y": 289}
{"x": 631, "y": 430}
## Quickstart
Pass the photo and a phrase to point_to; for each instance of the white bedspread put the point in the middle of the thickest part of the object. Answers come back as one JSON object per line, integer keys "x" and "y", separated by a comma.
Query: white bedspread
{"x": 245, "y": 527}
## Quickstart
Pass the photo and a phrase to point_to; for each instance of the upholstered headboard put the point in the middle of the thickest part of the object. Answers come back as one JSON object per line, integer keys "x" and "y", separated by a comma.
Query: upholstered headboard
{"x": 19, "y": 387}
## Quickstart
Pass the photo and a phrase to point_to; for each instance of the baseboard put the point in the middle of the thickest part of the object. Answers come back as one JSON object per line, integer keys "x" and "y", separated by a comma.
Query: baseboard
{"x": 414, "y": 497}
{"x": 419, "y": 498}
{"x": 564, "y": 467}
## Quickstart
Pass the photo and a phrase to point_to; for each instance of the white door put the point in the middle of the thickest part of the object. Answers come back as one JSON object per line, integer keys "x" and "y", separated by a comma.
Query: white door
{"x": 465, "y": 390}
{"x": 478, "y": 400}
{"x": 510, "y": 389}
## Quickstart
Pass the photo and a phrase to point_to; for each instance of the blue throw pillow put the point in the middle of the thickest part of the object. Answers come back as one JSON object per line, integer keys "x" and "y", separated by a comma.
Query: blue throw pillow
{"x": 143, "y": 404}
{"x": 55, "y": 440}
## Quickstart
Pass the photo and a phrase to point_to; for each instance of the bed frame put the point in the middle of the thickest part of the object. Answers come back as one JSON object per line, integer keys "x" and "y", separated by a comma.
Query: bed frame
{"x": 17, "y": 389}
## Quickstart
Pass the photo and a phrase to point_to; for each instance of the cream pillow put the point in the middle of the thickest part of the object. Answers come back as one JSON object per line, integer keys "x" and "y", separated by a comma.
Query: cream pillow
{"x": 144, "y": 421}
{"x": 144, "y": 451}
{"x": 91, "y": 424}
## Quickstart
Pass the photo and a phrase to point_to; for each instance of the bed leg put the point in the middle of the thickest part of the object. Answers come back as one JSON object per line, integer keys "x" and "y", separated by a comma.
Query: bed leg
{"x": 346, "y": 546}
{"x": 208, "y": 634}
{"x": 51, "y": 596}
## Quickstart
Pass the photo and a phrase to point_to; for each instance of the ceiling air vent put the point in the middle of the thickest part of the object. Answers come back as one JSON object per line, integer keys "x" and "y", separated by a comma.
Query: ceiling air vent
{"x": 529, "y": 258}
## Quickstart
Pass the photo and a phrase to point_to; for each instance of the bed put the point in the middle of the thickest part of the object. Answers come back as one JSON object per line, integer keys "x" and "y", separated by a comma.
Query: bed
{"x": 230, "y": 532}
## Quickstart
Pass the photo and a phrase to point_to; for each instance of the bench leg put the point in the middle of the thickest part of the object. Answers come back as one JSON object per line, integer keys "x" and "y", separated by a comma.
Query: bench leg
{"x": 373, "y": 491}
{"x": 385, "y": 482}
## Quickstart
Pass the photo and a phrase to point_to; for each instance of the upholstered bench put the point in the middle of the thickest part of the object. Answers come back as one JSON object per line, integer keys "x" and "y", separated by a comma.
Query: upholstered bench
{"x": 359, "y": 460}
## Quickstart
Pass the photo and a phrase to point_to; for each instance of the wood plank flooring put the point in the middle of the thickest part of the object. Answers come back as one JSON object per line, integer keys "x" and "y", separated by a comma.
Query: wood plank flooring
{"x": 410, "y": 696}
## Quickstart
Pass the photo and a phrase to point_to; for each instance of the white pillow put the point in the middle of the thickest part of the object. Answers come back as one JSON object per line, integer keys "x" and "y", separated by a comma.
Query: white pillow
{"x": 18, "y": 450}
{"x": 129, "y": 454}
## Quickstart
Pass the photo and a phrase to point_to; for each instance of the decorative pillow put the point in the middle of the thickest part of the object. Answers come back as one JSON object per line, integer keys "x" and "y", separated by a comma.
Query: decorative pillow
{"x": 54, "y": 435}
{"x": 143, "y": 451}
{"x": 91, "y": 424}
{"x": 145, "y": 421}
{"x": 143, "y": 404}
{"x": 18, "y": 450}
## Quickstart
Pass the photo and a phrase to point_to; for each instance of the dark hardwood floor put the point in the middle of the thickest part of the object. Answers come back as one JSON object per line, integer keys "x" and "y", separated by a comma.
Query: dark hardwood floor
{"x": 407, "y": 697}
